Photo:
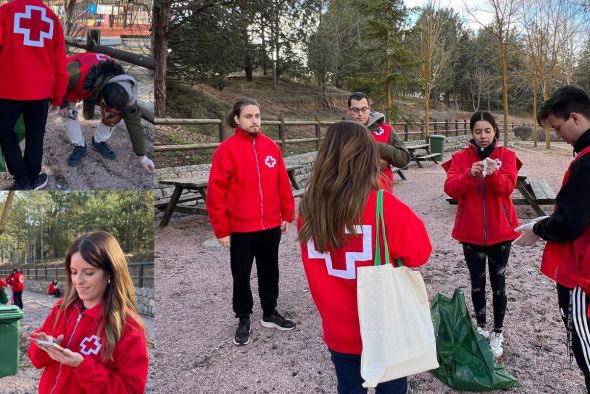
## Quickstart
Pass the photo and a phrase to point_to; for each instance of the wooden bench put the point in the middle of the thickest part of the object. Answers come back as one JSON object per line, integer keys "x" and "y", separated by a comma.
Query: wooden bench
{"x": 185, "y": 197}
{"x": 422, "y": 157}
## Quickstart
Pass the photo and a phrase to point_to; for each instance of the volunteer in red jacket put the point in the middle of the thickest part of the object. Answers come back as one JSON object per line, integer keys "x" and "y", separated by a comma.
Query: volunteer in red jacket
{"x": 482, "y": 178}
{"x": 566, "y": 258}
{"x": 391, "y": 148}
{"x": 339, "y": 202}
{"x": 18, "y": 286}
{"x": 34, "y": 73}
{"x": 99, "y": 343}
{"x": 249, "y": 201}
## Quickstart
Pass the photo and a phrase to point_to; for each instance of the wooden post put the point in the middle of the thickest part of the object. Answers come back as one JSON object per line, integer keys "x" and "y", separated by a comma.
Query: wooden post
{"x": 421, "y": 129}
{"x": 92, "y": 39}
{"x": 456, "y": 127}
{"x": 464, "y": 126}
{"x": 141, "y": 275}
{"x": 406, "y": 131}
{"x": 282, "y": 134}
{"x": 446, "y": 127}
{"x": 318, "y": 133}
{"x": 435, "y": 127}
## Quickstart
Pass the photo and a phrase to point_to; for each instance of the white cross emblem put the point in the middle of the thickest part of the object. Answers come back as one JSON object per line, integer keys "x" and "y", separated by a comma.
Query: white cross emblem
{"x": 102, "y": 57}
{"x": 93, "y": 344}
{"x": 34, "y": 25}
{"x": 270, "y": 161}
{"x": 380, "y": 131}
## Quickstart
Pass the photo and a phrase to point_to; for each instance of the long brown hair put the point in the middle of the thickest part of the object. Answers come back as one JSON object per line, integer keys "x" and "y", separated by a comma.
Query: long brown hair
{"x": 101, "y": 250}
{"x": 345, "y": 171}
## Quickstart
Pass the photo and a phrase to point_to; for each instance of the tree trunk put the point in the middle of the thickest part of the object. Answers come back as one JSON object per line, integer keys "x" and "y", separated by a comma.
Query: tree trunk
{"x": 161, "y": 24}
{"x": 505, "y": 90}
{"x": 534, "y": 113}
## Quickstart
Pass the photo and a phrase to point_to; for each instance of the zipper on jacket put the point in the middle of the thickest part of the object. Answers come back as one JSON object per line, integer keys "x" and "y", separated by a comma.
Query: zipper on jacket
{"x": 67, "y": 346}
{"x": 259, "y": 184}
{"x": 485, "y": 215}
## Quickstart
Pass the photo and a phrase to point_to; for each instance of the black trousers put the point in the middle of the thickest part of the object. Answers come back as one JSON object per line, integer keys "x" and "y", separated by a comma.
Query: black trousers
{"x": 264, "y": 247}
{"x": 18, "y": 298}
{"x": 24, "y": 169}
{"x": 573, "y": 306}
{"x": 497, "y": 258}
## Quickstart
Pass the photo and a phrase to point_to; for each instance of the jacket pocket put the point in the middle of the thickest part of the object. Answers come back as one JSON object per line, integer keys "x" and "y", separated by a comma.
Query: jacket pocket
{"x": 507, "y": 214}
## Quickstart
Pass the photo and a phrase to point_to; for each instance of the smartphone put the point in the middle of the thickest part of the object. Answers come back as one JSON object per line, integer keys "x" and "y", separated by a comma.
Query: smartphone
{"x": 52, "y": 344}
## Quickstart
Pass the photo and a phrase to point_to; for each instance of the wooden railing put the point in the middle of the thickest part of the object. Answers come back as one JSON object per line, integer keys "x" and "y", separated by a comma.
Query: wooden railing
{"x": 142, "y": 274}
{"x": 407, "y": 131}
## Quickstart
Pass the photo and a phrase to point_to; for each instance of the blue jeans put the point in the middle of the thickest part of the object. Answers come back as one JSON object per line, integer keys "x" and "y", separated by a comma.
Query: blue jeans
{"x": 348, "y": 373}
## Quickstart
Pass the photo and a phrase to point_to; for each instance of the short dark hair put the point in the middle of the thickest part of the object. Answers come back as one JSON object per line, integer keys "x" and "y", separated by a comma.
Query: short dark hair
{"x": 486, "y": 116}
{"x": 357, "y": 96}
{"x": 564, "y": 101}
{"x": 115, "y": 96}
{"x": 237, "y": 109}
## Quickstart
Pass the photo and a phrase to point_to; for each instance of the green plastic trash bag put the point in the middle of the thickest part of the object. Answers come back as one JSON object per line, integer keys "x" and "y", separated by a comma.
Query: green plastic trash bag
{"x": 3, "y": 296}
{"x": 465, "y": 358}
{"x": 19, "y": 129}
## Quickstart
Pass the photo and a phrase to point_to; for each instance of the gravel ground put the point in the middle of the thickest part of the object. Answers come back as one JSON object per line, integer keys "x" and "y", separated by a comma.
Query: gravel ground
{"x": 195, "y": 325}
{"x": 95, "y": 172}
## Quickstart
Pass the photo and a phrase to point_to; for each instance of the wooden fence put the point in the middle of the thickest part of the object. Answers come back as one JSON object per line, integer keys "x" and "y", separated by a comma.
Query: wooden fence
{"x": 142, "y": 274}
{"x": 407, "y": 131}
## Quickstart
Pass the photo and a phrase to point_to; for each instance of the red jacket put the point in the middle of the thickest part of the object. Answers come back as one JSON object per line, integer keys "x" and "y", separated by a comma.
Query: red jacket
{"x": 18, "y": 282}
{"x": 51, "y": 288}
{"x": 248, "y": 187}
{"x": 485, "y": 214}
{"x": 126, "y": 372}
{"x": 87, "y": 60}
{"x": 383, "y": 134}
{"x": 32, "y": 53}
{"x": 332, "y": 276}
{"x": 568, "y": 263}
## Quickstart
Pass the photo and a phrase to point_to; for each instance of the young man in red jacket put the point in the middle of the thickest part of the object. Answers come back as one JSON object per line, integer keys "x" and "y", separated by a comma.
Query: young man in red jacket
{"x": 18, "y": 285}
{"x": 391, "y": 148}
{"x": 249, "y": 201}
{"x": 33, "y": 69}
{"x": 566, "y": 258}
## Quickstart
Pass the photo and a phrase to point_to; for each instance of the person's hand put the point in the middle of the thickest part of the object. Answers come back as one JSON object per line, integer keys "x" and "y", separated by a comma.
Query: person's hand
{"x": 476, "y": 169}
{"x": 285, "y": 227}
{"x": 146, "y": 163}
{"x": 53, "y": 109}
{"x": 528, "y": 237}
{"x": 224, "y": 242}
{"x": 65, "y": 356}
{"x": 490, "y": 166}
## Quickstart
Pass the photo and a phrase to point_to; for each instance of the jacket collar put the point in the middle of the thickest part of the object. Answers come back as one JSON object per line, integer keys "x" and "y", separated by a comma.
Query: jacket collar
{"x": 96, "y": 312}
{"x": 582, "y": 142}
{"x": 244, "y": 135}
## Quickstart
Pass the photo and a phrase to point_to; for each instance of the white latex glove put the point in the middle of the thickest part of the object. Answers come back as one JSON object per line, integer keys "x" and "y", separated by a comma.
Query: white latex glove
{"x": 528, "y": 237}
{"x": 146, "y": 163}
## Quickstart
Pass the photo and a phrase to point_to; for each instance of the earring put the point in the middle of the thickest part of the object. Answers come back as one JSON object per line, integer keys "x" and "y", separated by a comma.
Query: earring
{"x": 108, "y": 282}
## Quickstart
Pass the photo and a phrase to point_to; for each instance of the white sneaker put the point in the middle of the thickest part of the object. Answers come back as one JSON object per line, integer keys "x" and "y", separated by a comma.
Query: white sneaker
{"x": 483, "y": 332}
{"x": 496, "y": 344}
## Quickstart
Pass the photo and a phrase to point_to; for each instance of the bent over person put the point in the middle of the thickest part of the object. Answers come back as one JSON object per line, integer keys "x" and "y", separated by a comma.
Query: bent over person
{"x": 96, "y": 79}
{"x": 249, "y": 201}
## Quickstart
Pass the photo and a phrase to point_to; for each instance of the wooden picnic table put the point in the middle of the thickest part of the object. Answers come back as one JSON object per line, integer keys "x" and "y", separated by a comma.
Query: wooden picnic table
{"x": 529, "y": 192}
{"x": 199, "y": 184}
{"x": 414, "y": 156}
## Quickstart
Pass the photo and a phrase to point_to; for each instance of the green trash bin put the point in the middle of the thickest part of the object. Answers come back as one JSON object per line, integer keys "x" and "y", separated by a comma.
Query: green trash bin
{"x": 437, "y": 145}
{"x": 10, "y": 316}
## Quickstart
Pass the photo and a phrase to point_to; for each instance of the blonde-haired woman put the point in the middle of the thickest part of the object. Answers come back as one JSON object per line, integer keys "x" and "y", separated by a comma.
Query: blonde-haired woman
{"x": 99, "y": 342}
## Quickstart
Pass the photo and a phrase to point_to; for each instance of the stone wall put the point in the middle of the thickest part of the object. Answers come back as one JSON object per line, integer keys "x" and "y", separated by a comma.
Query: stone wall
{"x": 144, "y": 296}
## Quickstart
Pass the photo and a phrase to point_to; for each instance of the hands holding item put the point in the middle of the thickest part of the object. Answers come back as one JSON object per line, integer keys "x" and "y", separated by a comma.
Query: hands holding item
{"x": 476, "y": 169}
{"x": 528, "y": 237}
{"x": 285, "y": 227}
{"x": 224, "y": 242}
{"x": 485, "y": 167}
{"x": 146, "y": 163}
{"x": 57, "y": 353}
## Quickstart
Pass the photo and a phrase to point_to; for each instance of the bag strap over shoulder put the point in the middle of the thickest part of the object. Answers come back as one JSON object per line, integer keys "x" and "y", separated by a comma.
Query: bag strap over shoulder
{"x": 380, "y": 223}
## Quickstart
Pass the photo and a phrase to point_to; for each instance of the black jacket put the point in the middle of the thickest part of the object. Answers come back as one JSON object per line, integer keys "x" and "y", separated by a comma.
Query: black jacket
{"x": 572, "y": 213}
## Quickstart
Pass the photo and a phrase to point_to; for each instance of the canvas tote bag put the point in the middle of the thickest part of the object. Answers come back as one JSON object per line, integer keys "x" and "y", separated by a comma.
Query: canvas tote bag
{"x": 394, "y": 314}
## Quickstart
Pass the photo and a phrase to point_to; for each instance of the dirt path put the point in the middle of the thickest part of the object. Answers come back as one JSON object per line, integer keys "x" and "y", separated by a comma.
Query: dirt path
{"x": 95, "y": 172}
{"x": 195, "y": 324}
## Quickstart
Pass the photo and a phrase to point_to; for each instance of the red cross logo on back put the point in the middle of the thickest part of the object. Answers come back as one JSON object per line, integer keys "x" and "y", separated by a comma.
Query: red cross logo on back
{"x": 34, "y": 25}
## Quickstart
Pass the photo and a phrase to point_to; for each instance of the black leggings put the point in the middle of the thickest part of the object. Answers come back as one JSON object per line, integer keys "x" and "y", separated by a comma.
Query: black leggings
{"x": 497, "y": 257}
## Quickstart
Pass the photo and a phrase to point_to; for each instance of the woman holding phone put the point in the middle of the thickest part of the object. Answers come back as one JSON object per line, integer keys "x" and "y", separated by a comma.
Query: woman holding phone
{"x": 93, "y": 339}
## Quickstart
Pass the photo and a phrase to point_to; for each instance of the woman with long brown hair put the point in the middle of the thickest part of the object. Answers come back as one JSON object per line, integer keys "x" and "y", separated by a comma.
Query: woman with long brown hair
{"x": 93, "y": 340}
{"x": 336, "y": 231}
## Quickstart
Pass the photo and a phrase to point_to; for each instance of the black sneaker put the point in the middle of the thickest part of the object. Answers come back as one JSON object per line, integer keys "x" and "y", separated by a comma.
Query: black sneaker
{"x": 20, "y": 186}
{"x": 76, "y": 156}
{"x": 242, "y": 336}
{"x": 41, "y": 182}
{"x": 104, "y": 150}
{"x": 275, "y": 320}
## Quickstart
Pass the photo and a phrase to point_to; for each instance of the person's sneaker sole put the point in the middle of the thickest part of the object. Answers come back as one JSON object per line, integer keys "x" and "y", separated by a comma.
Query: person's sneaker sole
{"x": 42, "y": 185}
{"x": 77, "y": 163}
{"x": 274, "y": 325}
{"x": 245, "y": 343}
